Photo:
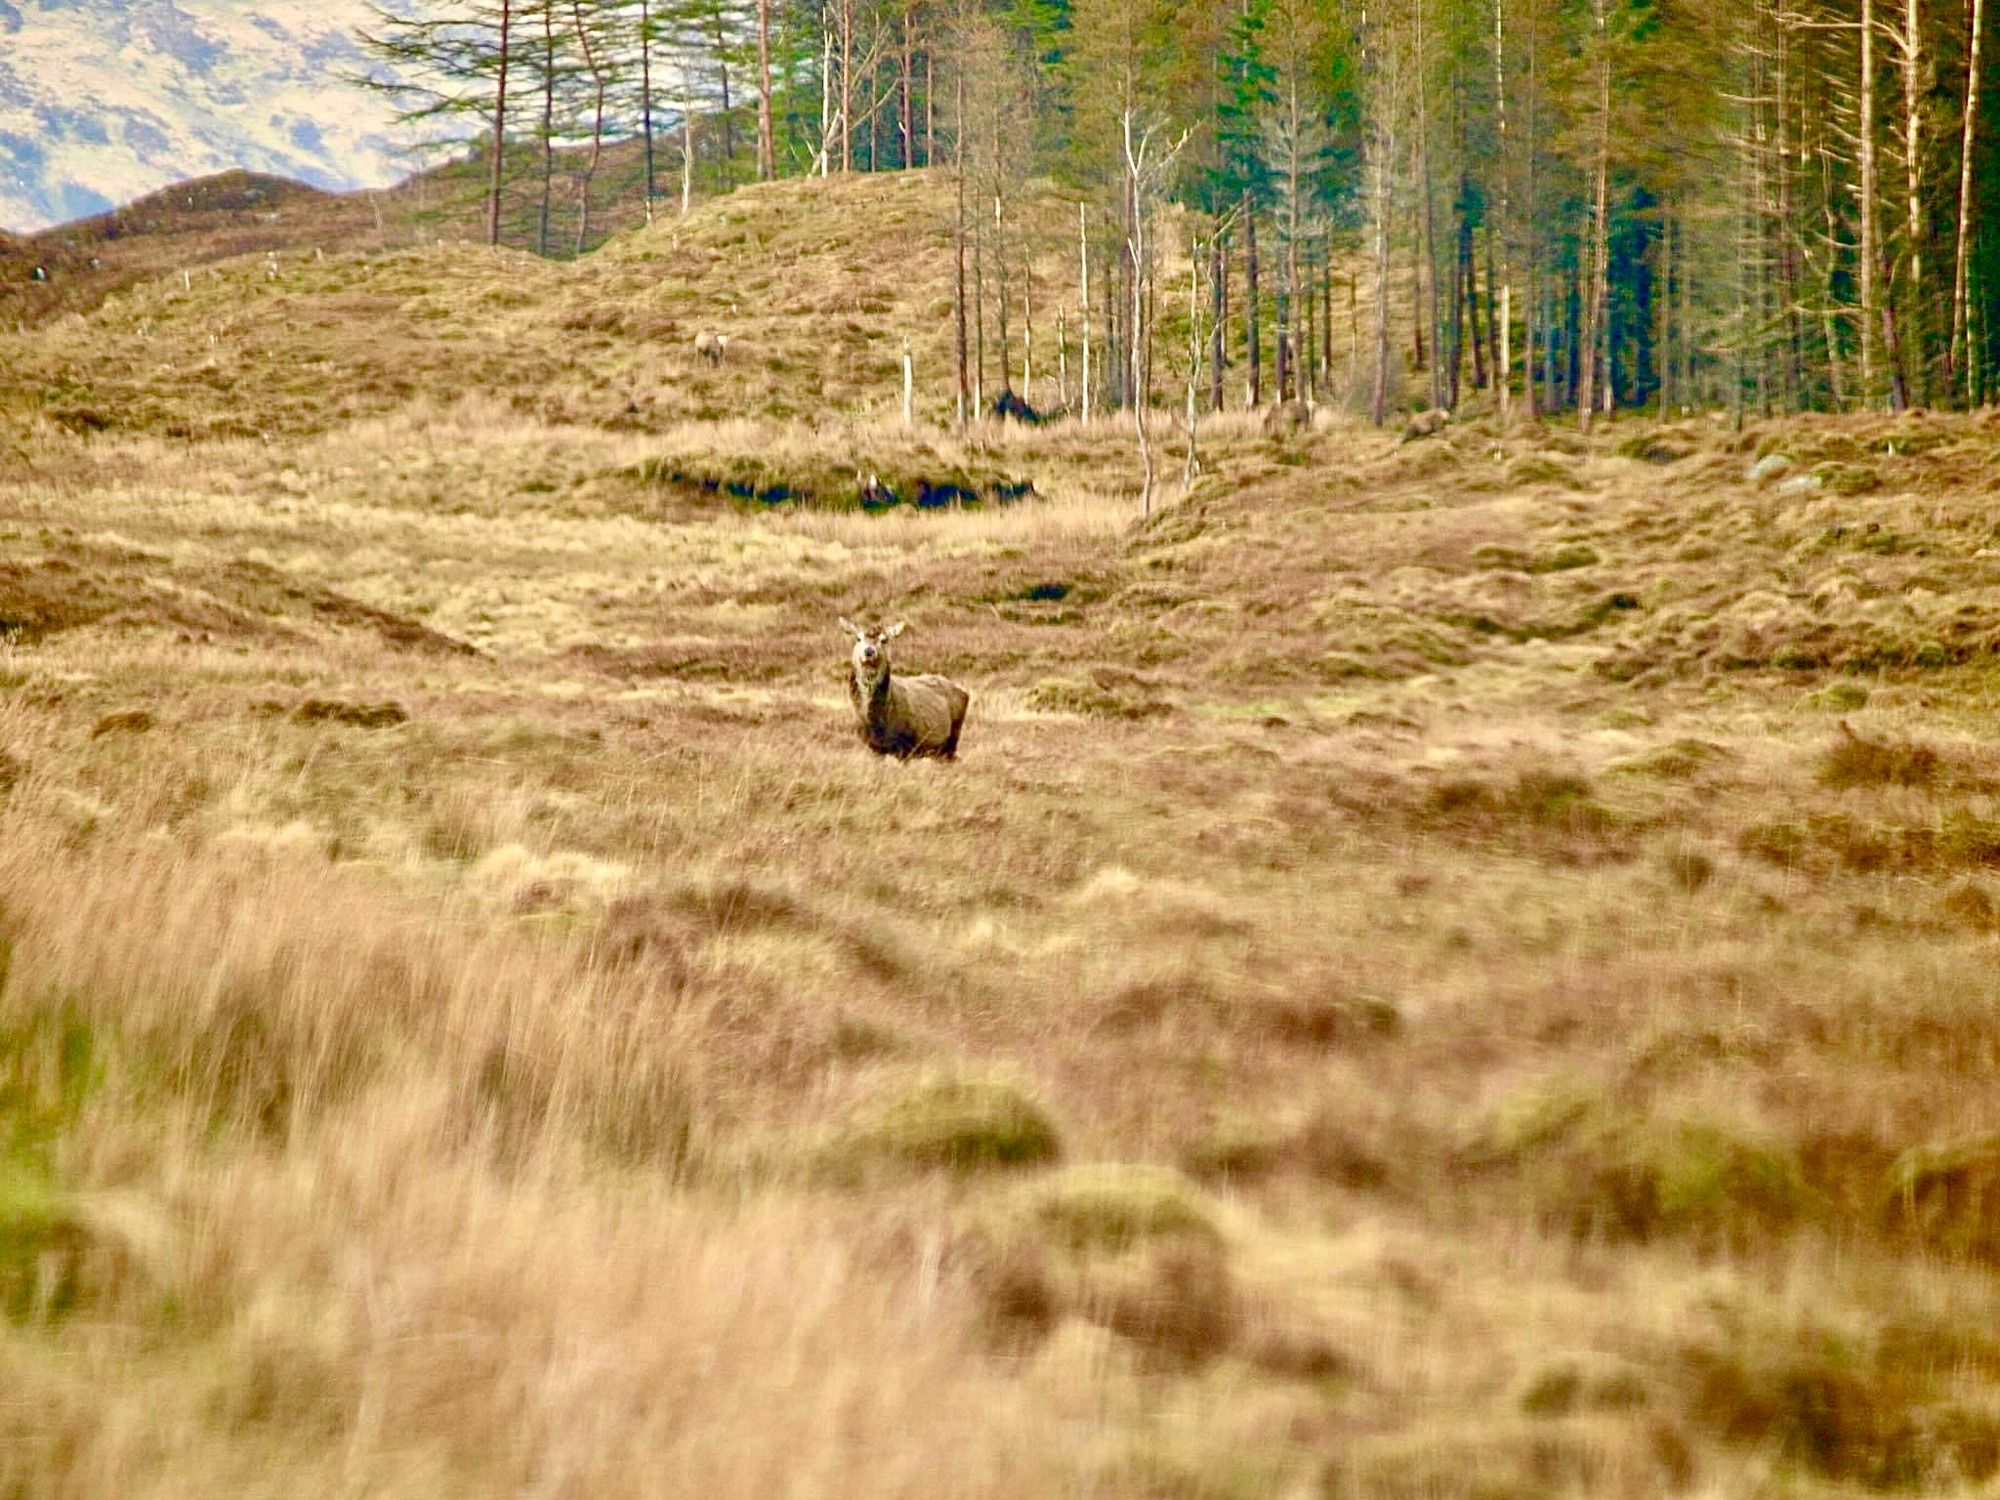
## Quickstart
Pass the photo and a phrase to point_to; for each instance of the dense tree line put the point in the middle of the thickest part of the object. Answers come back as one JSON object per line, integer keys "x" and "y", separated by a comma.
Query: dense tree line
{"x": 1550, "y": 205}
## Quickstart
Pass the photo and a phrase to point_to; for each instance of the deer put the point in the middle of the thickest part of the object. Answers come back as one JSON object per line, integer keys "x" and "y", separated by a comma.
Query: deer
{"x": 901, "y": 716}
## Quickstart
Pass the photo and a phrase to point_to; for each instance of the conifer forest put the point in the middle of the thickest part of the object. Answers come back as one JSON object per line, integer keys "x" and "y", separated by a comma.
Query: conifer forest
{"x": 1565, "y": 206}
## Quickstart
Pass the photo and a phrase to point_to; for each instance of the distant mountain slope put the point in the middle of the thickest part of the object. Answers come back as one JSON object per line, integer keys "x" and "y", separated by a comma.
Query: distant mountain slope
{"x": 104, "y": 100}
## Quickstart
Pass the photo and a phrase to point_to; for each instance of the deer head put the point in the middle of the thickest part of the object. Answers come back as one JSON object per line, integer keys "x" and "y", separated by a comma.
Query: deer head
{"x": 871, "y": 649}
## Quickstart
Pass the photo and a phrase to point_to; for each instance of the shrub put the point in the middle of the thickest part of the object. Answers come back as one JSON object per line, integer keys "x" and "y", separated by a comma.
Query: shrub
{"x": 1837, "y": 1407}
{"x": 964, "y": 1124}
{"x": 1678, "y": 761}
{"x": 1947, "y": 1197}
{"x": 40, "y": 1244}
{"x": 1114, "y": 1205}
{"x": 1597, "y": 1169}
{"x": 1067, "y": 695}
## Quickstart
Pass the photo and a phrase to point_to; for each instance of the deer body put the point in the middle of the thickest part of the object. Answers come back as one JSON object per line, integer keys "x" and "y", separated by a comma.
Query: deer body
{"x": 901, "y": 716}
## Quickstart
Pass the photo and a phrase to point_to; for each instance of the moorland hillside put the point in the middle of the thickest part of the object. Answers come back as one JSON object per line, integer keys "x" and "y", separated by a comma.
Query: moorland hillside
{"x": 816, "y": 282}
{"x": 1460, "y": 967}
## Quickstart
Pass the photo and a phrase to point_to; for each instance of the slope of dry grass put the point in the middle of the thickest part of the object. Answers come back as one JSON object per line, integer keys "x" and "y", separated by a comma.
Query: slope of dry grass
{"x": 1461, "y": 968}
{"x": 817, "y": 282}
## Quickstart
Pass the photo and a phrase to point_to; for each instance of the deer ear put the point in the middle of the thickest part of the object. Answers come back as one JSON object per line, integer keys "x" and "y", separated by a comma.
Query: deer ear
{"x": 844, "y": 625}
{"x": 894, "y": 630}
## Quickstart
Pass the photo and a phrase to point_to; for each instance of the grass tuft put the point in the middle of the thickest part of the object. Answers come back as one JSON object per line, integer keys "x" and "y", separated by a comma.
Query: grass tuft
{"x": 1840, "y": 1407}
{"x": 1599, "y": 1170}
{"x": 1854, "y": 760}
{"x": 1116, "y": 1205}
{"x": 1947, "y": 1197}
{"x": 1069, "y": 695}
{"x": 962, "y": 1124}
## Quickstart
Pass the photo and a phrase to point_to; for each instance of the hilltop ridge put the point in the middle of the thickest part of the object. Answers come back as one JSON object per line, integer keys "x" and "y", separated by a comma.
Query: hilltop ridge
{"x": 817, "y": 281}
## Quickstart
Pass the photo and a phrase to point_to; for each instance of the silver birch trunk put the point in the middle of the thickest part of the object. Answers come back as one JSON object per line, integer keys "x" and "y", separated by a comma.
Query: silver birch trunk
{"x": 1593, "y": 300}
{"x": 1866, "y": 132}
{"x": 1967, "y": 139}
{"x": 1915, "y": 322}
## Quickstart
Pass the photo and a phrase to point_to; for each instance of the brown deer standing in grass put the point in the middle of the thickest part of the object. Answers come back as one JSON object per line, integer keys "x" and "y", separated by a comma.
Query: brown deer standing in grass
{"x": 711, "y": 346}
{"x": 901, "y": 716}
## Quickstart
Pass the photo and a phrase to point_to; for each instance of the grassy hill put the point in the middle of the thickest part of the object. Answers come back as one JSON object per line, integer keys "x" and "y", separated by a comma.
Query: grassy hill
{"x": 193, "y": 224}
{"x": 1449, "y": 968}
{"x": 300, "y": 337}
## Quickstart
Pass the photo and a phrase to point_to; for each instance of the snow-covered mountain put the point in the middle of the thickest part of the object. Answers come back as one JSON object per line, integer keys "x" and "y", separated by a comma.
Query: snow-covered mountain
{"x": 104, "y": 100}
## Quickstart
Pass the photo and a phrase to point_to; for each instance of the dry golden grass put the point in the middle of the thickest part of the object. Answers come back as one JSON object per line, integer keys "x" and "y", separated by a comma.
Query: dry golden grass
{"x": 1460, "y": 968}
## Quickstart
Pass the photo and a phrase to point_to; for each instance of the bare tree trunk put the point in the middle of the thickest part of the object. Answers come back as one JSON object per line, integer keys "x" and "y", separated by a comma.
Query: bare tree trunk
{"x": 1790, "y": 299}
{"x": 1135, "y": 187}
{"x": 1663, "y": 298}
{"x": 1498, "y": 311}
{"x": 907, "y": 153}
{"x": 1462, "y": 289}
{"x": 1956, "y": 362}
{"x": 1419, "y": 339}
{"x": 1503, "y": 352}
{"x": 1195, "y": 345}
{"x": 1028, "y": 330}
{"x": 978, "y": 320}
{"x": 1752, "y": 249}
{"x": 1470, "y": 263}
{"x": 1326, "y": 316}
{"x": 1110, "y": 340}
{"x": 1000, "y": 298}
{"x": 687, "y": 143}
{"x": 596, "y": 127}
{"x": 646, "y": 97}
{"x": 1062, "y": 358}
{"x": 767, "y": 150}
{"x": 548, "y": 125}
{"x": 846, "y": 85}
{"x": 958, "y": 251}
{"x": 1308, "y": 340}
{"x": 1288, "y": 288}
{"x": 1830, "y": 298}
{"x": 1378, "y": 408}
{"x": 1866, "y": 132}
{"x": 1218, "y": 292}
{"x": 1531, "y": 304}
{"x": 1281, "y": 341}
{"x": 1083, "y": 277}
{"x": 1427, "y": 290}
{"x": 499, "y": 125}
{"x": 828, "y": 127}
{"x": 1593, "y": 297}
{"x": 1916, "y": 323}
{"x": 1255, "y": 395}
